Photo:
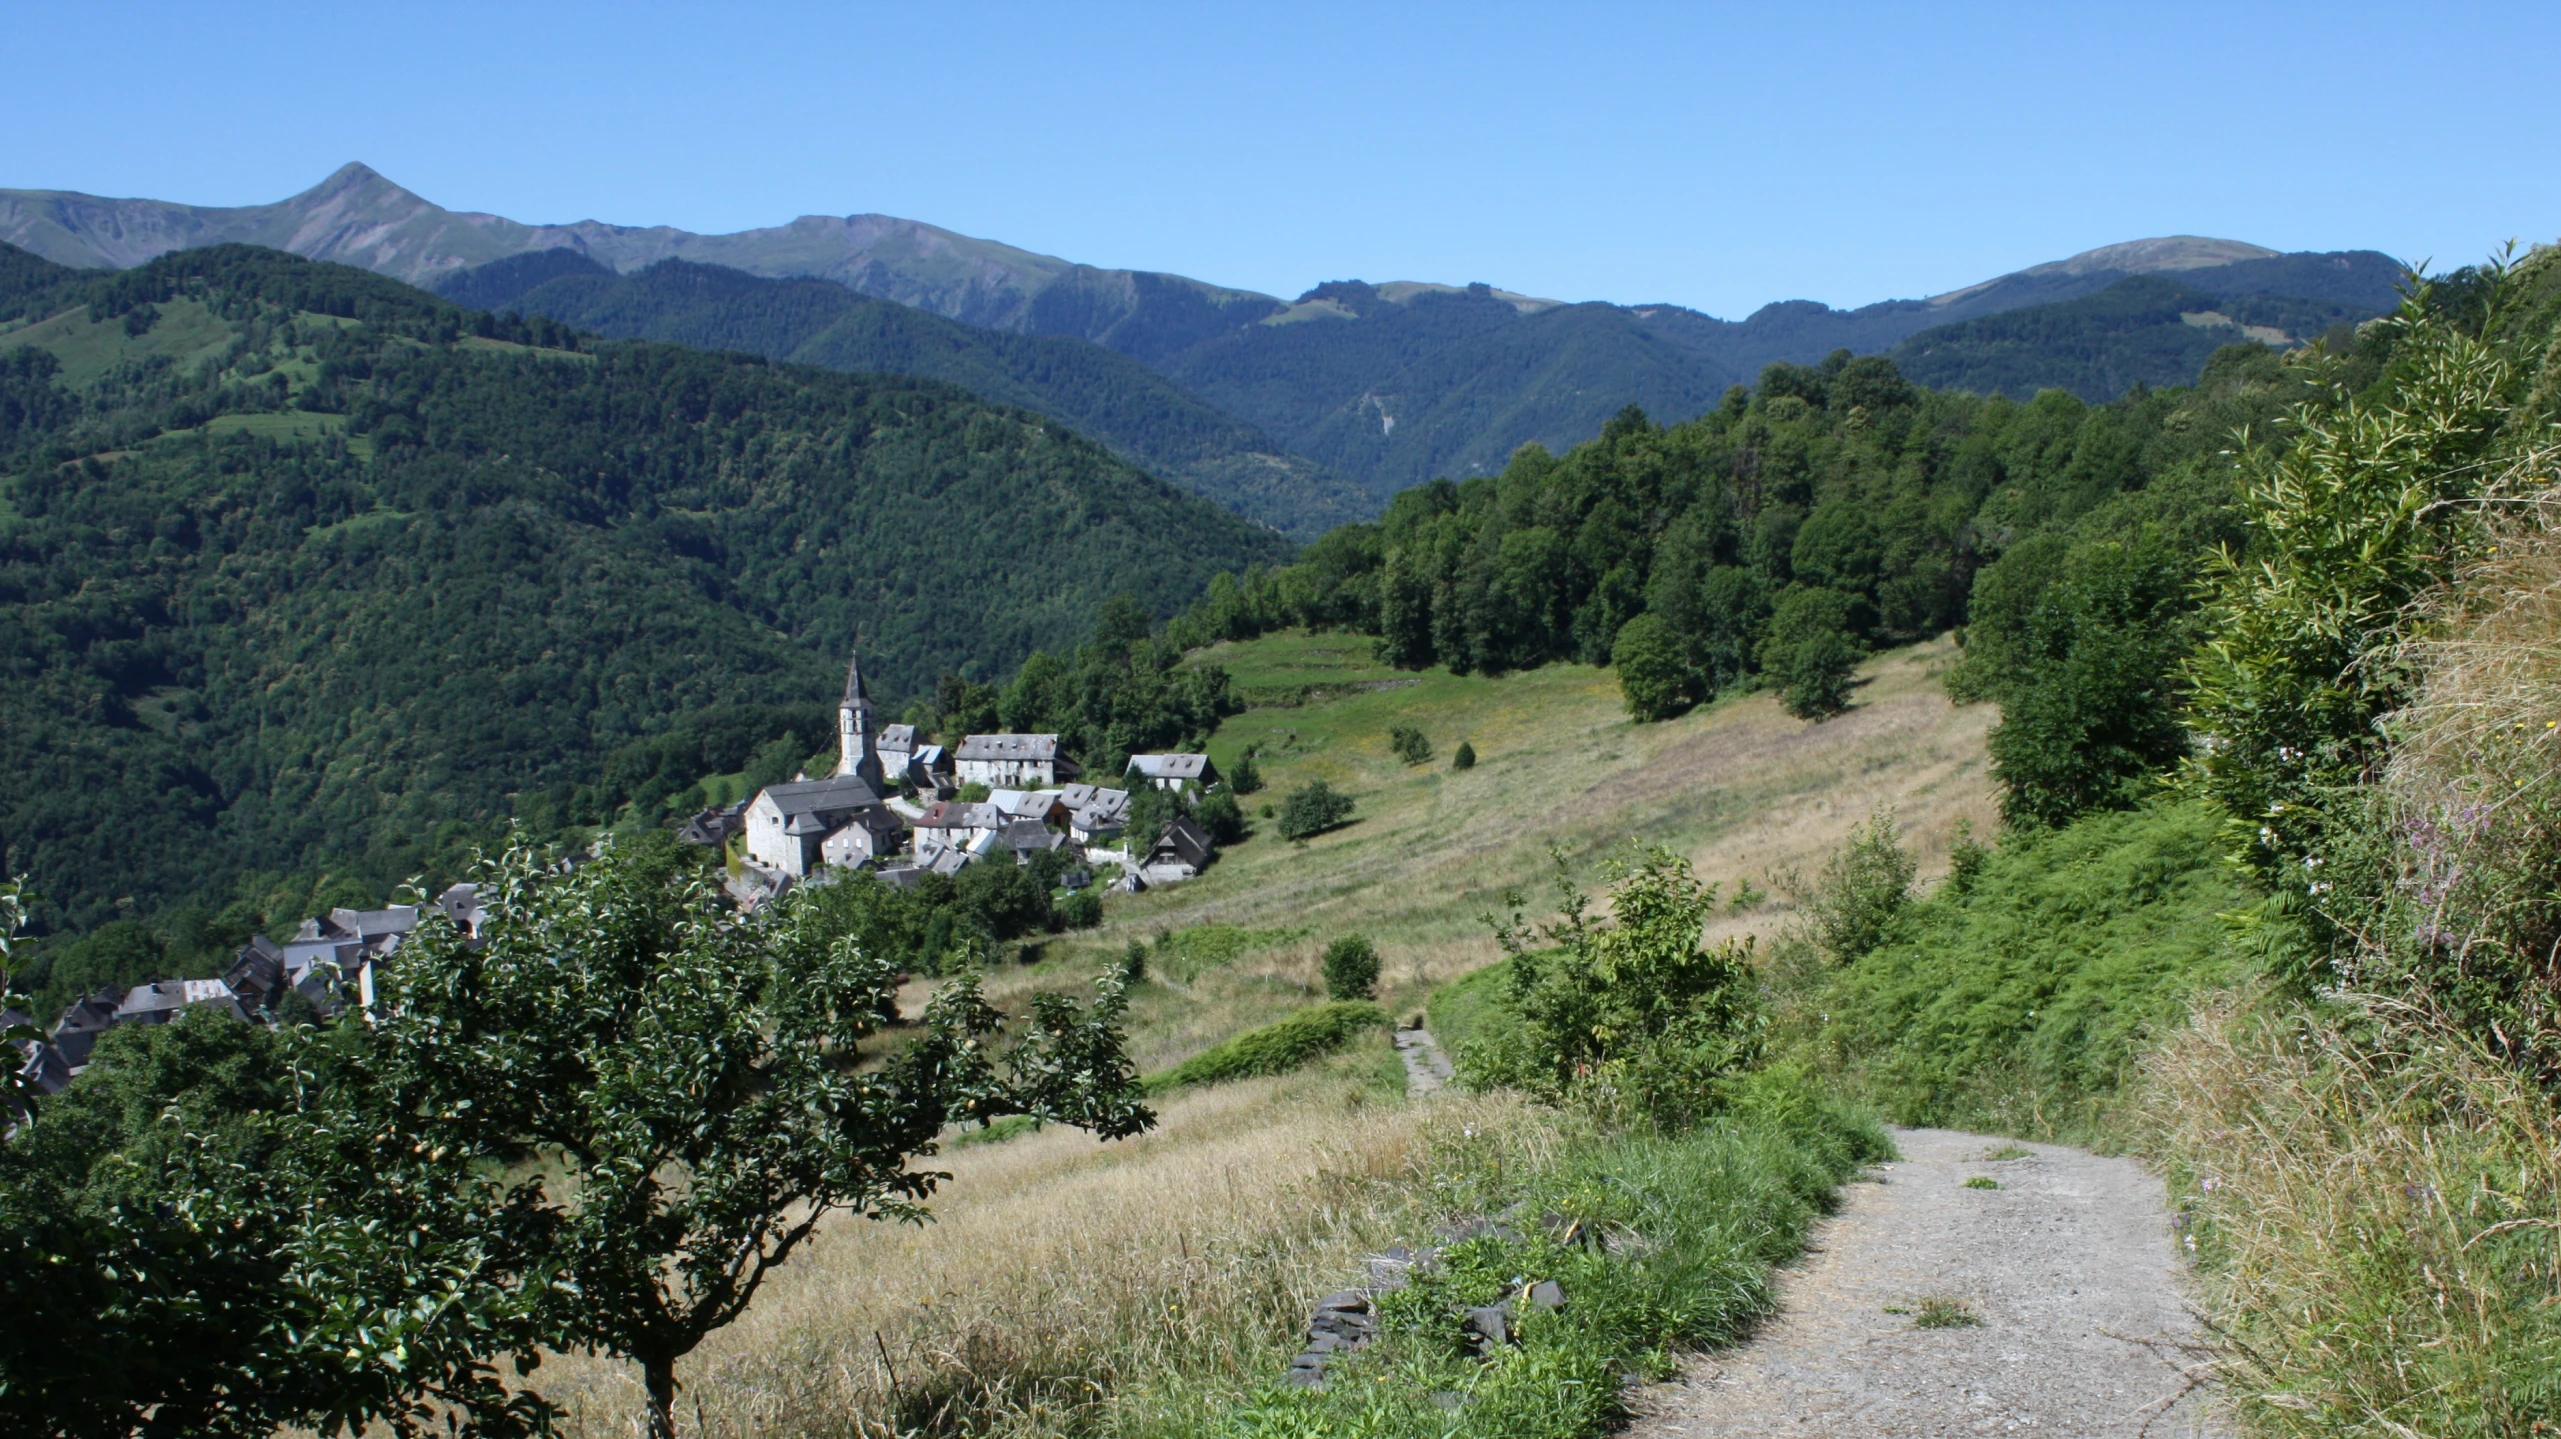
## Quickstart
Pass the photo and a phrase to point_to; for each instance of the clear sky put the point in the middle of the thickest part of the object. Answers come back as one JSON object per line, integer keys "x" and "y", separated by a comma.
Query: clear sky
{"x": 1714, "y": 156}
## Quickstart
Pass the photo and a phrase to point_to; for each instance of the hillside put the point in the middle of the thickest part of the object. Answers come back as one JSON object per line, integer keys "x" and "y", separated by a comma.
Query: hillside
{"x": 1101, "y": 394}
{"x": 303, "y": 569}
{"x": 1386, "y": 385}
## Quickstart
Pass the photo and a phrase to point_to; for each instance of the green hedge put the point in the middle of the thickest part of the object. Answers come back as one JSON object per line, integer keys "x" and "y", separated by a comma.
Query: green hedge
{"x": 1276, "y": 1048}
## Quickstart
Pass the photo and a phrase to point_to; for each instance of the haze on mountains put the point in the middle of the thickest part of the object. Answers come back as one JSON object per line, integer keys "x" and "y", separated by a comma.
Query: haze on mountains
{"x": 1384, "y": 385}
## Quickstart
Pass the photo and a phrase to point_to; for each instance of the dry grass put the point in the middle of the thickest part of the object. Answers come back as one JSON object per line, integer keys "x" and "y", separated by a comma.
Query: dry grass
{"x": 1073, "y": 1286}
{"x": 1743, "y": 789}
{"x": 2379, "y": 1209}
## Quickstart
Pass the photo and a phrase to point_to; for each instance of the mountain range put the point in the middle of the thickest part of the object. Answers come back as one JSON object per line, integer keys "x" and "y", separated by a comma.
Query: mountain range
{"x": 1293, "y": 412}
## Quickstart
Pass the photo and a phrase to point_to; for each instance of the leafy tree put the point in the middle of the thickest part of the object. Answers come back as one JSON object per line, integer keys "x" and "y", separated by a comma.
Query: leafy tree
{"x": 1409, "y": 744}
{"x": 1855, "y": 904}
{"x": 1246, "y": 777}
{"x": 1351, "y": 969}
{"x": 999, "y": 899}
{"x": 1464, "y": 757}
{"x": 1222, "y": 817}
{"x": 1810, "y": 651}
{"x": 1654, "y": 675}
{"x": 1312, "y": 809}
{"x": 696, "y": 1083}
{"x": 1632, "y": 1017}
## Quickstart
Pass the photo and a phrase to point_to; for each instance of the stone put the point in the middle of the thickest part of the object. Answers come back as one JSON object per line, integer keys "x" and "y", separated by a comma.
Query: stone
{"x": 1344, "y": 1301}
{"x": 1547, "y": 1294}
{"x": 1324, "y": 1343}
{"x": 1298, "y": 1378}
{"x": 1492, "y": 1325}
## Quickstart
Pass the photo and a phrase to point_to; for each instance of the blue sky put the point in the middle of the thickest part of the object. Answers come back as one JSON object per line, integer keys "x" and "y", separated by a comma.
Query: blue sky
{"x": 1715, "y": 156}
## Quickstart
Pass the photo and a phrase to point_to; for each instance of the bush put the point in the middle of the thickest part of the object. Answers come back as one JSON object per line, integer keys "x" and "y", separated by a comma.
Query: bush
{"x": 1351, "y": 969}
{"x": 1277, "y": 1048}
{"x": 1246, "y": 777}
{"x": 1866, "y": 883}
{"x": 1222, "y": 817}
{"x": 1312, "y": 809}
{"x": 1654, "y": 672}
{"x": 1464, "y": 757}
{"x": 1410, "y": 744}
{"x": 1133, "y": 962}
{"x": 1634, "y": 1019}
{"x": 1081, "y": 910}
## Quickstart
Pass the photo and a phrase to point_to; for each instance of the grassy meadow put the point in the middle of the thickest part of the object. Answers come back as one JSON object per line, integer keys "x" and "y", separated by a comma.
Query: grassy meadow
{"x": 1148, "y": 1286}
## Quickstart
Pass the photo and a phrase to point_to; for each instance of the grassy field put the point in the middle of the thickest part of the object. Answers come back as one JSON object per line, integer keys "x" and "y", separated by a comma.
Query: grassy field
{"x": 1148, "y": 1285}
{"x": 1742, "y": 789}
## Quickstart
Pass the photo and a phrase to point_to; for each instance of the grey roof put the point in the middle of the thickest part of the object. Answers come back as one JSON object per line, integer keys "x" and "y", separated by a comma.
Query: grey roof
{"x": 834, "y": 795}
{"x": 1185, "y": 839}
{"x": 374, "y": 923}
{"x": 1170, "y": 766}
{"x": 854, "y": 682}
{"x": 949, "y": 861}
{"x": 1009, "y": 746}
{"x": 1027, "y": 834}
{"x": 896, "y": 736}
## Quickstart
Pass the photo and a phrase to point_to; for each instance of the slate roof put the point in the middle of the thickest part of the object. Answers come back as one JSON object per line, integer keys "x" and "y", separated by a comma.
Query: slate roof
{"x": 1182, "y": 839}
{"x": 900, "y": 737}
{"x": 836, "y": 794}
{"x": 1009, "y": 746}
{"x": 1170, "y": 766}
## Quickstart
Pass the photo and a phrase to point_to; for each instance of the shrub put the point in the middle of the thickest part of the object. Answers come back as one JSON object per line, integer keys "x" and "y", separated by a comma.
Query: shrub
{"x": 1276, "y": 1048}
{"x": 1464, "y": 757}
{"x": 1864, "y": 886}
{"x": 1081, "y": 910}
{"x": 1351, "y": 969}
{"x": 1246, "y": 777}
{"x": 1222, "y": 817}
{"x": 1410, "y": 744}
{"x": 1133, "y": 962}
{"x": 1312, "y": 809}
{"x": 1632, "y": 1018}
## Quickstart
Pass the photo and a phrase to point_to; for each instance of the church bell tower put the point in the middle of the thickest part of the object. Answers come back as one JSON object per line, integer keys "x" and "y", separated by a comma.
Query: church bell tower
{"x": 857, "y": 751}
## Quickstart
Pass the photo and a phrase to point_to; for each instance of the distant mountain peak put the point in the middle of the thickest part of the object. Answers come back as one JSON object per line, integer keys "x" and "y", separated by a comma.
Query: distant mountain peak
{"x": 2161, "y": 254}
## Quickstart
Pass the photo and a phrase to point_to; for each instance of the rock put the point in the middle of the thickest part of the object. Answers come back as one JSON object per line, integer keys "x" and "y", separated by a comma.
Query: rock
{"x": 1492, "y": 1326}
{"x": 1324, "y": 1343}
{"x": 1298, "y": 1378}
{"x": 1547, "y": 1294}
{"x": 1353, "y": 1327}
{"x": 1344, "y": 1301}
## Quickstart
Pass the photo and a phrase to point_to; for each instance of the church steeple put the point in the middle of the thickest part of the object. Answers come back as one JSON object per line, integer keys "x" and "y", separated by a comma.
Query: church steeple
{"x": 856, "y": 735}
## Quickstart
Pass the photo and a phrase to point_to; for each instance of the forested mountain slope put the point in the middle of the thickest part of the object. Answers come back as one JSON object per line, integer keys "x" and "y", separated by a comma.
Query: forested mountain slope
{"x": 1101, "y": 394}
{"x": 1387, "y": 385}
{"x": 300, "y": 566}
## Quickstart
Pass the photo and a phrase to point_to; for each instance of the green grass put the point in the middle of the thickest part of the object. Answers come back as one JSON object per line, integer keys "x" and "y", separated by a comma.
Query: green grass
{"x": 2022, "y": 1005}
{"x": 1982, "y": 1181}
{"x": 1717, "y": 1209}
{"x": 187, "y": 334}
{"x": 1940, "y": 1312}
{"x": 277, "y": 425}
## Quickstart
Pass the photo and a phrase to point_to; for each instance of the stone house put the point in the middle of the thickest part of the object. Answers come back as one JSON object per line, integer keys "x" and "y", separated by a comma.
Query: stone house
{"x": 1173, "y": 771}
{"x": 788, "y": 824}
{"x": 1013, "y": 761}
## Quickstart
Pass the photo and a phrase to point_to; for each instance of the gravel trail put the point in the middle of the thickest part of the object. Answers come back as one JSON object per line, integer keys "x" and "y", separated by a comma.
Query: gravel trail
{"x": 1427, "y": 1067}
{"x": 2069, "y": 1268}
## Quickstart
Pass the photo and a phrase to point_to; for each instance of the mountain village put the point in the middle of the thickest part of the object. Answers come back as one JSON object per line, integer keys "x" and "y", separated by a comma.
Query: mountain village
{"x": 895, "y": 807}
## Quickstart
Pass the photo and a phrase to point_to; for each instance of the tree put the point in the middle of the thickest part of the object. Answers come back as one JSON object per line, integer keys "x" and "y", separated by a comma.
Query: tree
{"x": 1464, "y": 757}
{"x": 1810, "y": 651}
{"x": 1312, "y": 809}
{"x": 1654, "y": 676}
{"x": 1222, "y": 817}
{"x": 1409, "y": 744}
{"x": 1351, "y": 969}
{"x": 695, "y": 1080}
{"x": 1855, "y": 905}
{"x": 1247, "y": 776}
{"x": 17, "y": 1090}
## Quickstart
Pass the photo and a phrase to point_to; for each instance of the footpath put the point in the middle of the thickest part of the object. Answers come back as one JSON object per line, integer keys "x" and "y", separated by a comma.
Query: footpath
{"x": 2051, "y": 1305}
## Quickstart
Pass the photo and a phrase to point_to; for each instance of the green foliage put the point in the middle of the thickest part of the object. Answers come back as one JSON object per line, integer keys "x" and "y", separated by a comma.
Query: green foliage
{"x": 1351, "y": 969}
{"x": 1219, "y": 814}
{"x": 1464, "y": 757}
{"x": 1859, "y": 898}
{"x": 211, "y": 1233}
{"x": 1653, "y": 669}
{"x": 1312, "y": 809}
{"x": 2025, "y": 999}
{"x": 2361, "y": 513}
{"x": 691, "y": 1082}
{"x": 1245, "y": 776}
{"x": 1718, "y": 1208}
{"x": 1810, "y": 651}
{"x": 1632, "y": 1018}
{"x": 1292, "y": 1042}
{"x": 487, "y": 570}
{"x": 1081, "y": 910}
{"x": 1409, "y": 744}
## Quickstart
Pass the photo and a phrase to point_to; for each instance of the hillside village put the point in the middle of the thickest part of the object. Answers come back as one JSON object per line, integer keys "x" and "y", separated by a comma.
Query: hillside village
{"x": 896, "y": 807}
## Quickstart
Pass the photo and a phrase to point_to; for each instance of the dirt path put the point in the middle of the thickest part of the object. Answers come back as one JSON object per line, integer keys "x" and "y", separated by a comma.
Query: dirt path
{"x": 1427, "y": 1066}
{"x": 2069, "y": 1269}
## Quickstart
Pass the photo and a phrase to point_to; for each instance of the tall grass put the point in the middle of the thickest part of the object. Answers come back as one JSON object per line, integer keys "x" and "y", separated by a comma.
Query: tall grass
{"x": 2377, "y": 1205}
